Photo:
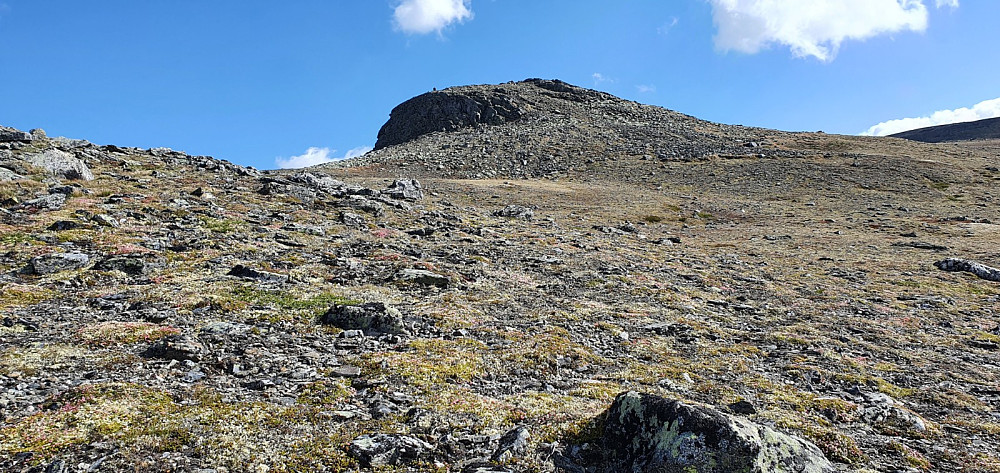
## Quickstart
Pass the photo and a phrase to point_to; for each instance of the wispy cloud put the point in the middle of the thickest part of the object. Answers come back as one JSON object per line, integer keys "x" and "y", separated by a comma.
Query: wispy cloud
{"x": 816, "y": 27}
{"x": 669, "y": 25}
{"x": 355, "y": 152}
{"x": 429, "y": 16}
{"x": 600, "y": 78}
{"x": 979, "y": 111}
{"x": 645, "y": 89}
{"x": 314, "y": 156}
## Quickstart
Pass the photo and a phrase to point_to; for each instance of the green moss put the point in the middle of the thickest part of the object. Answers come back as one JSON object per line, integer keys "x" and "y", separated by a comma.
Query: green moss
{"x": 215, "y": 225}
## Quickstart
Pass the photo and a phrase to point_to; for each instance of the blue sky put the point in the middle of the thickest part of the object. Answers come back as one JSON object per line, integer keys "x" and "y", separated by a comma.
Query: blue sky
{"x": 261, "y": 83}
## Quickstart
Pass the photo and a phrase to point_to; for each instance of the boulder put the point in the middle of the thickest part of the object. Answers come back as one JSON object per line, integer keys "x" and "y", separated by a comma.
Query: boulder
{"x": 405, "y": 189}
{"x": 651, "y": 433}
{"x": 10, "y": 134}
{"x": 423, "y": 278}
{"x": 371, "y": 318}
{"x": 46, "y": 202}
{"x": 131, "y": 265}
{"x": 56, "y": 262}
{"x": 514, "y": 443}
{"x": 244, "y": 272}
{"x": 380, "y": 450}
{"x": 175, "y": 347}
{"x": 61, "y": 164}
{"x": 981, "y": 270}
{"x": 515, "y": 211}
{"x": 8, "y": 175}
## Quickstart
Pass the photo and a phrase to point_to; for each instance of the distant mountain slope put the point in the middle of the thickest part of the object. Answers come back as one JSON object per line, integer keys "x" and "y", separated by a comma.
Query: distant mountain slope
{"x": 987, "y": 129}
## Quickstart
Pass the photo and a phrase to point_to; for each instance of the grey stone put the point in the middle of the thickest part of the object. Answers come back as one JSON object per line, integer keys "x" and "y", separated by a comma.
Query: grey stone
{"x": 514, "y": 443}
{"x": 10, "y": 134}
{"x": 890, "y": 417}
{"x": 47, "y": 202}
{"x": 105, "y": 220}
{"x": 389, "y": 450}
{"x": 54, "y": 263}
{"x": 131, "y": 265}
{"x": 981, "y": 270}
{"x": 260, "y": 275}
{"x": 352, "y": 219}
{"x": 175, "y": 347}
{"x": 372, "y": 317}
{"x": 405, "y": 189}
{"x": 62, "y": 164}
{"x": 8, "y": 175}
{"x": 651, "y": 433}
{"x": 423, "y": 277}
{"x": 515, "y": 211}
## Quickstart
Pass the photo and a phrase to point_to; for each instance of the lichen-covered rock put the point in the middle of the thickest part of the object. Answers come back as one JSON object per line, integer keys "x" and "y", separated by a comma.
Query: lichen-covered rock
{"x": 46, "y": 202}
{"x": 515, "y": 211}
{"x": 980, "y": 270}
{"x": 54, "y": 263}
{"x": 62, "y": 164}
{"x": 423, "y": 277}
{"x": 175, "y": 347}
{"x": 8, "y": 175}
{"x": 651, "y": 433}
{"x": 389, "y": 449}
{"x": 405, "y": 189}
{"x": 131, "y": 265}
{"x": 373, "y": 317}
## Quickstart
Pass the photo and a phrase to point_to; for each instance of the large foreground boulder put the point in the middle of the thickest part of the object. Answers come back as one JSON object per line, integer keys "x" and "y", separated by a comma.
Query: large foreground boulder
{"x": 61, "y": 164}
{"x": 651, "y": 433}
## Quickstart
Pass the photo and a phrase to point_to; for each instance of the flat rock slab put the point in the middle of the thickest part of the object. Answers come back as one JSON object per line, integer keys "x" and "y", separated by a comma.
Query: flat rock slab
{"x": 423, "y": 278}
{"x": 651, "y": 433}
{"x": 960, "y": 265}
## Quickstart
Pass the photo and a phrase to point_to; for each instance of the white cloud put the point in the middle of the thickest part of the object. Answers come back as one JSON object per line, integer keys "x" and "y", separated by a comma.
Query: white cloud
{"x": 428, "y": 16}
{"x": 355, "y": 152}
{"x": 314, "y": 156}
{"x": 666, "y": 27}
{"x": 600, "y": 78}
{"x": 979, "y": 111}
{"x": 813, "y": 27}
{"x": 645, "y": 89}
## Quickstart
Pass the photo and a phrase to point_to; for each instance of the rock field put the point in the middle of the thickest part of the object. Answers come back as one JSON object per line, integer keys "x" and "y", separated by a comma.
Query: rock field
{"x": 527, "y": 276}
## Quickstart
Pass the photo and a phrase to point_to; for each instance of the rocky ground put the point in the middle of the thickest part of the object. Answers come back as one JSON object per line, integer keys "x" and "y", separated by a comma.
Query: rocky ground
{"x": 166, "y": 312}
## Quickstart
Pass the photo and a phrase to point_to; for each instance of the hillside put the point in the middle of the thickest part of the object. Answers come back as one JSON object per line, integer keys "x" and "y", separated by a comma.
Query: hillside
{"x": 584, "y": 284}
{"x": 988, "y": 129}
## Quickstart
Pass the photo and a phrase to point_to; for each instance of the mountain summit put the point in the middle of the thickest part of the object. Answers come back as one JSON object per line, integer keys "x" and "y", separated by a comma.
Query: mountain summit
{"x": 986, "y": 129}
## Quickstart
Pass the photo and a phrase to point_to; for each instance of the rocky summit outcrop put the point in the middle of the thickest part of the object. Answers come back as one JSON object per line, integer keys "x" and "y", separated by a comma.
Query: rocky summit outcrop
{"x": 986, "y": 129}
{"x": 539, "y": 127}
{"x": 645, "y": 433}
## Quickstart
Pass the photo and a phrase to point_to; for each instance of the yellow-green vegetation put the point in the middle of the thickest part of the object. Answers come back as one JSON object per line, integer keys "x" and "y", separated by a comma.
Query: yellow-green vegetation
{"x": 224, "y": 225}
{"x": 912, "y": 457}
{"x": 21, "y": 295}
{"x": 133, "y": 416}
{"x": 31, "y": 360}
{"x": 116, "y": 333}
{"x": 429, "y": 362}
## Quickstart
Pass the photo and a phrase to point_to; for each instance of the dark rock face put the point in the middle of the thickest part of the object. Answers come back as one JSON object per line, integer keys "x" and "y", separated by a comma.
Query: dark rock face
{"x": 446, "y": 111}
{"x": 651, "y": 433}
{"x": 244, "y": 272}
{"x": 11, "y": 134}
